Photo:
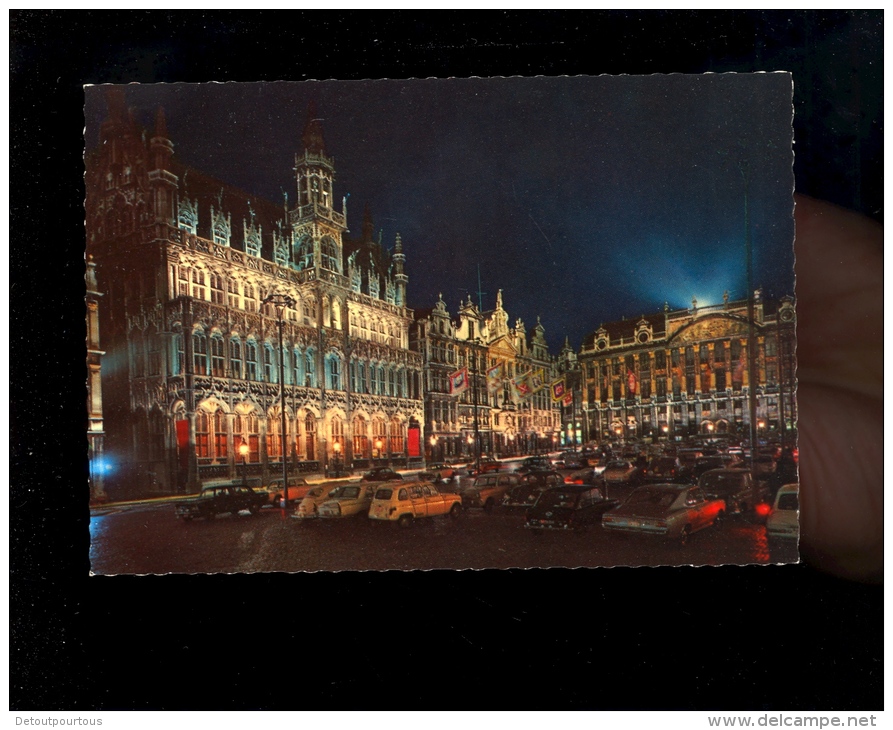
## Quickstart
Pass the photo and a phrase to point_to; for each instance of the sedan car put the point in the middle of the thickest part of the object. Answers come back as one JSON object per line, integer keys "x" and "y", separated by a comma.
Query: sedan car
{"x": 735, "y": 487}
{"x": 621, "y": 471}
{"x": 674, "y": 511}
{"x": 530, "y": 488}
{"x": 297, "y": 490}
{"x": 783, "y": 523}
{"x": 570, "y": 507}
{"x": 308, "y": 507}
{"x": 382, "y": 474}
{"x": 489, "y": 490}
{"x": 404, "y": 504}
{"x": 348, "y": 500}
{"x": 446, "y": 471}
{"x": 664, "y": 469}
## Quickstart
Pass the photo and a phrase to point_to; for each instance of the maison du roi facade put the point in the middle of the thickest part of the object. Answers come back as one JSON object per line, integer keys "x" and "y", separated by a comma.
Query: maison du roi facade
{"x": 686, "y": 372}
{"x": 190, "y": 360}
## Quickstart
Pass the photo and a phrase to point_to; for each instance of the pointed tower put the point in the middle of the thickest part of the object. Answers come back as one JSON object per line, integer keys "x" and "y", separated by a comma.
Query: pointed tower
{"x": 162, "y": 181}
{"x": 400, "y": 276}
{"x": 318, "y": 227}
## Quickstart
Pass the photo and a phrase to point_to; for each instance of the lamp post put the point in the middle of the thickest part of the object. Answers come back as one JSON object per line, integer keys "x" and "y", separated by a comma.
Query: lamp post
{"x": 378, "y": 446}
{"x": 433, "y": 448}
{"x": 280, "y": 302}
{"x": 243, "y": 450}
{"x": 336, "y": 447}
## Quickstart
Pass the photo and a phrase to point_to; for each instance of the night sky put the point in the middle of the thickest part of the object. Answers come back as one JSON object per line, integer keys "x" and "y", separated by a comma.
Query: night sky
{"x": 585, "y": 199}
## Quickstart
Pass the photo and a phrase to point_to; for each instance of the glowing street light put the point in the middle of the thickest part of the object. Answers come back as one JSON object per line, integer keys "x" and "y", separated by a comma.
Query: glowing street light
{"x": 243, "y": 451}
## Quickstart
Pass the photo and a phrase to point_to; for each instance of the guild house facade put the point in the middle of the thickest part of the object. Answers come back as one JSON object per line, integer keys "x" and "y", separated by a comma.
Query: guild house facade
{"x": 217, "y": 307}
{"x": 687, "y": 372}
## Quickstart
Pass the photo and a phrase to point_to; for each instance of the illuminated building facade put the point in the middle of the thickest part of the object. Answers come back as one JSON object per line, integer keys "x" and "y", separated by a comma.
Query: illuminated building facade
{"x": 507, "y": 423}
{"x": 685, "y": 372}
{"x": 193, "y": 366}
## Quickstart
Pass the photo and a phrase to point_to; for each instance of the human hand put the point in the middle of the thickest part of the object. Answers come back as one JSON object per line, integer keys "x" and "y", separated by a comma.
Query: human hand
{"x": 840, "y": 356}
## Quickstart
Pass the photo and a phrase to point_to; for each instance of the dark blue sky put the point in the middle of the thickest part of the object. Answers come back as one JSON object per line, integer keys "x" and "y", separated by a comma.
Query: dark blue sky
{"x": 586, "y": 199}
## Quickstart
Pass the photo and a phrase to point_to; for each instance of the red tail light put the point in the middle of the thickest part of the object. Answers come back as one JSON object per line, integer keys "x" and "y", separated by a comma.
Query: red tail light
{"x": 763, "y": 509}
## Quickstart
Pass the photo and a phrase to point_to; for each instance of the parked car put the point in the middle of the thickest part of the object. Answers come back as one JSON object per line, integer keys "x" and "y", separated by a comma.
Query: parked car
{"x": 716, "y": 461}
{"x": 489, "y": 490}
{"x": 783, "y": 522}
{"x": 446, "y": 471}
{"x": 569, "y": 507}
{"x": 674, "y": 511}
{"x": 534, "y": 463}
{"x": 735, "y": 487}
{"x": 382, "y": 474}
{"x": 664, "y": 469}
{"x": 348, "y": 500}
{"x": 488, "y": 466}
{"x": 308, "y": 507}
{"x": 621, "y": 471}
{"x": 219, "y": 499}
{"x": 587, "y": 475}
{"x": 530, "y": 487}
{"x": 404, "y": 504}
{"x": 297, "y": 490}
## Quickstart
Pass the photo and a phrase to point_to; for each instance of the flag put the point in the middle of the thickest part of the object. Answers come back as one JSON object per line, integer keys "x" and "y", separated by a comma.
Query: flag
{"x": 558, "y": 390}
{"x": 537, "y": 381}
{"x": 494, "y": 378}
{"x": 568, "y": 399}
{"x": 520, "y": 388}
{"x": 459, "y": 381}
{"x": 632, "y": 382}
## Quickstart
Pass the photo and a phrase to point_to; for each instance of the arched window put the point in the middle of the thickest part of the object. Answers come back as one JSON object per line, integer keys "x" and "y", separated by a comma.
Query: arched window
{"x": 270, "y": 374}
{"x": 219, "y": 423}
{"x": 310, "y": 437}
{"x": 199, "y": 353}
{"x": 246, "y": 429}
{"x": 309, "y": 369}
{"x": 334, "y": 374}
{"x": 217, "y": 356}
{"x": 232, "y": 293}
{"x": 296, "y": 361}
{"x": 202, "y": 431}
{"x": 373, "y": 378}
{"x": 361, "y": 367}
{"x": 396, "y": 436}
{"x": 235, "y": 357}
{"x": 250, "y": 299}
{"x": 329, "y": 252}
{"x": 274, "y": 433}
{"x": 178, "y": 355}
{"x": 139, "y": 355}
{"x": 392, "y": 382}
{"x": 336, "y": 314}
{"x": 251, "y": 360}
{"x": 379, "y": 437}
{"x": 381, "y": 380}
{"x": 304, "y": 253}
{"x": 360, "y": 438}
{"x": 337, "y": 435}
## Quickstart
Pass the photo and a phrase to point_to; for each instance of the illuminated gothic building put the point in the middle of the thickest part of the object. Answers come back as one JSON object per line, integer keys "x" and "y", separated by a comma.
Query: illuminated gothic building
{"x": 194, "y": 369}
{"x": 506, "y": 423}
{"x": 686, "y": 372}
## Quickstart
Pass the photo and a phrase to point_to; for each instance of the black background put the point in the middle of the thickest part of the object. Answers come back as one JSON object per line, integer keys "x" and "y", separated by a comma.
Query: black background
{"x": 769, "y": 637}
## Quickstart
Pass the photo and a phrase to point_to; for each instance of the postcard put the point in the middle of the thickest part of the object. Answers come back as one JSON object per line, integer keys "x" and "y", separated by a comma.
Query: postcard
{"x": 454, "y": 324}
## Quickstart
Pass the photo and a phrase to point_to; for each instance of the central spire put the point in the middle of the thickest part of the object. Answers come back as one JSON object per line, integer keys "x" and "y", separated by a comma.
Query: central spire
{"x": 312, "y": 137}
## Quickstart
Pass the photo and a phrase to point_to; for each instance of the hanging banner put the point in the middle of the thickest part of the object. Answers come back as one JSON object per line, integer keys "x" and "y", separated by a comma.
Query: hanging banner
{"x": 632, "y": 382}
{"x": 459, "y": 382}
{"x": 494, "y": 378}
{"x": 537, "y": 381}
{"x": 558, "y": 390}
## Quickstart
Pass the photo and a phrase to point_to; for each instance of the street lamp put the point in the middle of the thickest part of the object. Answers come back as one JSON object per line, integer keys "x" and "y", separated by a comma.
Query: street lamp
{"x": 243, "y": 450}
{"x": 433, "y": 448}
{"x": 378, "y": 445}
{"x": 280, "y": 302}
